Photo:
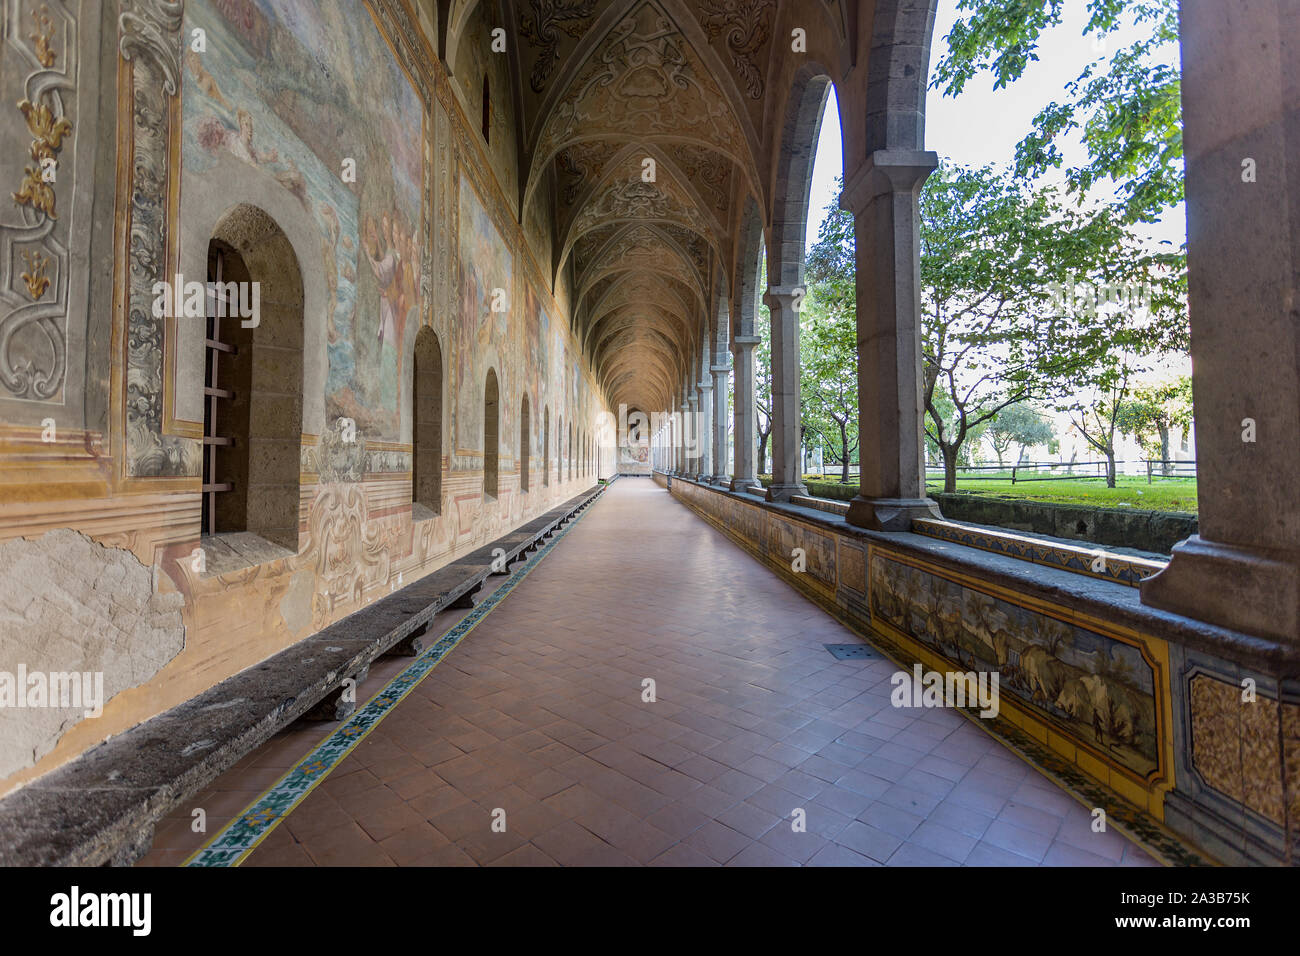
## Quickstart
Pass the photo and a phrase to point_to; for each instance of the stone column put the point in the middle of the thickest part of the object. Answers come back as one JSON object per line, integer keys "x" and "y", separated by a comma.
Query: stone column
{"x": 692, "y": 437}
{"x": 882, "y": 195}
{"x": 675, "y": 433}
{"x": 704, "y": 430}
{"x": 683, "y": 445}
{"x": 742, "y": 474}
{"x": 1241, "y": 120}
{"x": 787, "y": 476}
{"x": 720, "y": 372}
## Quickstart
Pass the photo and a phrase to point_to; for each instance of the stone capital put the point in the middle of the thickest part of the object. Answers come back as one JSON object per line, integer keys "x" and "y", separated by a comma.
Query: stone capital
{"x": 720, "y": 369}
{"x": 887, "y": 171}
{"x": 744, "y": 341}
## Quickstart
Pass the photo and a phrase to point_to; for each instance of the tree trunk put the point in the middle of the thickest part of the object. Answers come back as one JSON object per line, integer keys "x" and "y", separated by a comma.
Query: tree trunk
{"x": 1165, "y": 469}
{"x": 844, "y": 443}
{"x": 1110, "y": 467}
{"x": 762, "y": 449}
{"x": 949, "y": 467}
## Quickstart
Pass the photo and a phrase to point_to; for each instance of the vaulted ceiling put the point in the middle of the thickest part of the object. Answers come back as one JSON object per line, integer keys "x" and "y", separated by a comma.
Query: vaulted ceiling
{"x": 649, "y": 128}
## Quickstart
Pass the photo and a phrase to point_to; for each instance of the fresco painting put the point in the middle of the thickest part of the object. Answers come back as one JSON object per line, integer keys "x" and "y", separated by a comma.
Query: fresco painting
{"x": 282, "y": 89}
{"x": 536, "y": 362}
{"x": 486, "y": 264}
{"x": 1098, "y": 690}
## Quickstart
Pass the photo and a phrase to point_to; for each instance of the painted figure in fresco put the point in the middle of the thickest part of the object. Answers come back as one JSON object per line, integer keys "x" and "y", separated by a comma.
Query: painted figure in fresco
{"x": 215, "y": 135}
{"x": 383, "y": 262}
{"x": 403, "y": 242}
{"x": 203, "y": 79}
{"x": 293, "y": 180}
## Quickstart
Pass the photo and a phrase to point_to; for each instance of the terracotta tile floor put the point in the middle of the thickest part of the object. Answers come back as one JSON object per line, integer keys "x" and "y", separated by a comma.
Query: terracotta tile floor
{"x": 539, "y": 714}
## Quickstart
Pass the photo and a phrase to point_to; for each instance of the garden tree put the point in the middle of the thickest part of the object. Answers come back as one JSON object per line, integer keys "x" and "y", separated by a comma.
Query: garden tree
{"x": 996, "y": 257}
{"x": 1012, "y": 282}
{"x": 1117, "y": 339}
{"x": 1098, "y": 421}
{"x": 828, "y": 335}
{"x": 1019, "y": 423}
{"x": 763, "y": 380}
{"x": 1158, "y": 408}
{"x": 1126, "y": 108}
{"x": 974, "y": 435}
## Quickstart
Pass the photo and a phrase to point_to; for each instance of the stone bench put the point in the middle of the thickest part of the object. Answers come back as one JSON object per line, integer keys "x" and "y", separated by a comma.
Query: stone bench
{"x": 102, "y": 807}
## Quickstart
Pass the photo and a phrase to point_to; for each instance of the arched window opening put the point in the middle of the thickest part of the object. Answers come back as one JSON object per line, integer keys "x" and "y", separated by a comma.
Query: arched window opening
{"x": 525, "y": 439}
{"x": 491, "y": 436}
{"x": 570, "y": 451}
{"x": 426, "y": 423}
{"x": 252, "y": 390}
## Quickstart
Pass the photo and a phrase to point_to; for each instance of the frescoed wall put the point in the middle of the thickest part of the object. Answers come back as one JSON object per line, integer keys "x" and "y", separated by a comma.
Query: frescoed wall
{"x": 484, "y": 334}
{"x": 286, "y": 90}
{"x": 284, "y": 99}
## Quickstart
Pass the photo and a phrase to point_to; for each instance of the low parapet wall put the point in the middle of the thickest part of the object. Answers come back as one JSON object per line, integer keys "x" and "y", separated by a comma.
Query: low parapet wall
{"x": 1156, "y": 531}
{"x": 1187, "y": 735}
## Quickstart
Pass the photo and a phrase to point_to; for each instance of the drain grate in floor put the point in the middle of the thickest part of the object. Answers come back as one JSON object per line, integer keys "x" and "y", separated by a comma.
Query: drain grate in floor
{"x": 852, "y": 652}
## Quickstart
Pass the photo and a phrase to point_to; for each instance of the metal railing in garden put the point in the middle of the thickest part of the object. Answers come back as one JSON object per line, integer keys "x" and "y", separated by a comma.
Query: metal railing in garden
{"x": 1169, "y": 468}
{"x": 1030, "y": 471}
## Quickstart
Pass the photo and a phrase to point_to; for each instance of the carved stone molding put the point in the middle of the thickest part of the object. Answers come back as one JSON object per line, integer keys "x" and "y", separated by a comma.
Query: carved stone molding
{"x": 542, "y": 30}
{"x": 745, "y": 23}
{"x": 149, "y": 37}
{"x": 149, "y": 31}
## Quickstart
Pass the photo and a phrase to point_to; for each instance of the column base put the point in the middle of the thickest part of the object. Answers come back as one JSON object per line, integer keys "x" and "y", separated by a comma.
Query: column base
{"x": 785, "y": 492}
{"x": 1248, "y": 591}
{"x": 890, "y": 514}
{"x": 721, "y": 480}
{"x": 745, "y": 484}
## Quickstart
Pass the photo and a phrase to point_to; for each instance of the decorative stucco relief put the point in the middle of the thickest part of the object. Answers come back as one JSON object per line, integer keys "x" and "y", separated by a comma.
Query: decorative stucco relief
{"x": 40, "y": 72}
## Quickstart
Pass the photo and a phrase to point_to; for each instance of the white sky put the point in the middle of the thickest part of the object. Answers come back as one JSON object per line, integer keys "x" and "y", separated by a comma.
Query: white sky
{"x": 983, "y": 125}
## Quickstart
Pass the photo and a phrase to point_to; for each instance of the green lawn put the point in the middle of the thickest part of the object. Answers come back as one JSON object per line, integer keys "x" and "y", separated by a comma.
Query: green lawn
{"x": 1163, "y": 494}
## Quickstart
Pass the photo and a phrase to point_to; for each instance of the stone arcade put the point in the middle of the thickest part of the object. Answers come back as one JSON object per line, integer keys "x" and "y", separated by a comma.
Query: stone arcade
{"x": 228, "y": 520}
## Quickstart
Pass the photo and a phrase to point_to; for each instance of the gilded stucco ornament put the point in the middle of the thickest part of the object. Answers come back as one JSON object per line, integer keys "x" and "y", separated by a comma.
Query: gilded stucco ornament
{"x": 48, "y": 133}
{"x": 35, "y": 278}
{"x": 43, "y": 36}
{"x": 33, "y": 346}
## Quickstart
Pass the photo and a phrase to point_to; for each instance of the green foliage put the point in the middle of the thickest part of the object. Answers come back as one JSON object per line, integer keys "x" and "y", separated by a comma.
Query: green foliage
{"x": 1018, "y": 423}
{"x": 828, "y": 335}
{"x": 1156, "y": 408}
{"x": 1127, "y": 108}
{"x": 1150, "y": 412}
{"x": 828, "y": 340}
